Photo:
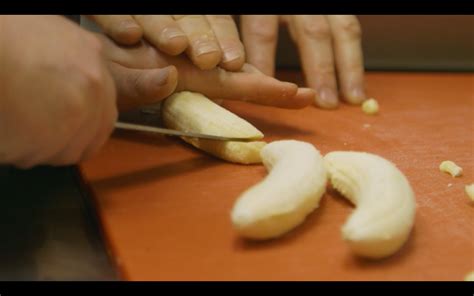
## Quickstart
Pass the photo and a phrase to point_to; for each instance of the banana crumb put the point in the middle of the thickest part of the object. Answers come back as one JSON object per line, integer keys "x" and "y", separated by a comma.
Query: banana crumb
{"x": 451, "y": 168}
{"x": 370, "y": 106}
{"x": 469, "y": 277}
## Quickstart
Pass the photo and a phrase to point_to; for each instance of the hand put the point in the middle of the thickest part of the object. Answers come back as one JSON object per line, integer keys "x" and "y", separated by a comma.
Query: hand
{"x": 209, "y": 40}
{"x": 325, "y": 44}
{"x": 58, "y": 100}
{"x": 248, "y": 85}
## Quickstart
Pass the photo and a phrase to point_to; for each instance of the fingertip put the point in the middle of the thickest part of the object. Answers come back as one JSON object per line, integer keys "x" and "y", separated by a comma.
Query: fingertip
{"x": 172, "y": 76}
{"x": 128, "y": 32}
{"x": 207, "y": 60}
{"x": 164, "y": 82}
{"x": 355, "y": 96}
{"x": 173, "y": 45}
{"x": 161, "y": 77}
{"x": 326, "y": 98}
{"x": 304, "y": 97}
{"x": 234, "y": 65}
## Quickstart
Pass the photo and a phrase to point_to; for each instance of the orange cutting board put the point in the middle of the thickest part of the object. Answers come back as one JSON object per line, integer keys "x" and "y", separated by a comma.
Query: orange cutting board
{"x": 164, "y": 206}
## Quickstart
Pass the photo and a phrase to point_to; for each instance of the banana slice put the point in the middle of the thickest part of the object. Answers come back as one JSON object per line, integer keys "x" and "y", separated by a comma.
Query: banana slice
{"x": 469, "y": 277}
{"x": 292, "y": 189}
{"x": 384, "y": 200}
{"x": 470, "y": 191}
{"x": 193, "y": 112}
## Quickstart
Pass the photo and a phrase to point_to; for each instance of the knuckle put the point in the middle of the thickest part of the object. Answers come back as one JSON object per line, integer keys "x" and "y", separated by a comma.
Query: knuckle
{"x": 350, "y": 27}
{"x": 93, "y": 79}
{"x": 327, "y": 69}
{"x": 264, "y": 33}
{"x": 316, "y": 29}
{"x": 94, "y": 42}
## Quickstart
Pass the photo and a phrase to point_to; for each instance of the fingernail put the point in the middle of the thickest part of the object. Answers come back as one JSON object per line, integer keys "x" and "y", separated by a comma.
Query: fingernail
{"x": 161, "y": 78}
{"x": 170, "y": 33}
{"x": 206, "y": 48}
{"x": 231, "y": 55}
{"x": 129, "y": 24}
{"x": 357, "y": 95}
{"x": 327, "y": 98}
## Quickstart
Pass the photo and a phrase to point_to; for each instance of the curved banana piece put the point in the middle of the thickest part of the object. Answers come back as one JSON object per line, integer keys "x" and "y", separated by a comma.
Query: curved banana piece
{"x": 193, "y": 112}
{"x": 292, "y": 189}
{"x": 384, "y": 199}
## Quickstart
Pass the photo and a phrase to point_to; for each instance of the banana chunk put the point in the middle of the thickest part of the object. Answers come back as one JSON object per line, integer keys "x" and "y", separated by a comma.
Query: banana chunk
{"x": 384, "y": 200}
{"x": 470, "y": 191}
{"x": 451, "y": 168}
{"x": 193, "y": 112}
{"x": 292, "y": 189}
{"x": 469, "y": 277}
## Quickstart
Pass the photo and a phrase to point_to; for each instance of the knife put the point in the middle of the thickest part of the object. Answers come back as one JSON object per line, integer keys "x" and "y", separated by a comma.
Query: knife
{"x": 170, "y": 132}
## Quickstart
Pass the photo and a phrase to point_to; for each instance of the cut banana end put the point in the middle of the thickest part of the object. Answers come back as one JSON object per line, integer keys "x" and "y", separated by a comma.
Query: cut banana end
{"x": 292, "y": 189}
{"x": 193, "y": 112}
{"x": 384, "y": 200}
{"x": 470, "y": 191}
{"x": 469, "y": 277}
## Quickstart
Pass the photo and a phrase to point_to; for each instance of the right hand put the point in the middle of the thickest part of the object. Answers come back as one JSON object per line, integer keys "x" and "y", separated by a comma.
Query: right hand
{"x": 58, "y": 100}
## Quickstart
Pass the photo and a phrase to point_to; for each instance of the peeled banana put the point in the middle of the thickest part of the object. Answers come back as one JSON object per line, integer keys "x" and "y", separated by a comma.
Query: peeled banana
{"x": 292, "y": 189}
{"x": 384, "y": 200}
{"x": 193, "y": 112}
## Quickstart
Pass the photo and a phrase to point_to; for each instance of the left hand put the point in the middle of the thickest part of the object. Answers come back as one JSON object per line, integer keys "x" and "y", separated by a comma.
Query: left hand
{"x": 140, "y": 80}
{"x": 326, "y": 43}
{"x": 209, "y": 40}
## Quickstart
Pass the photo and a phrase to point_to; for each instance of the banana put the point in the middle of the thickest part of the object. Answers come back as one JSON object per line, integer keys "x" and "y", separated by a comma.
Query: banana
{"x": 469, "y": 277}
{"x": 451, "y": 168}
{"x": 193, "y": 112}
{"x": 384, "y": 200}
{"x": 292, "y": 189}
{"x": 370, "y": 106}
{"x": 470, "y": 191}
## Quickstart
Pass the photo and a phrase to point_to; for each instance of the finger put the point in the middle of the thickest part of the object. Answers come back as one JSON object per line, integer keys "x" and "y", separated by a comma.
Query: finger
{"x": 227, "y": 35}
{"x": 249, "y": 87}
{"x": 203, "y": 48}
{"x": 122, "y": 28}
{"x": 140, "y": 56}
{"x": 163, "y": 32}
{"x": 137, "y": 87}
{"x": 313, "y": 37}
{"x": 346, "y": 32}
{"x": 248, "y": 68}
{"x": 260, "y": 36}
{"x": 305, "y": 95}
{"x": 107, "y": 119}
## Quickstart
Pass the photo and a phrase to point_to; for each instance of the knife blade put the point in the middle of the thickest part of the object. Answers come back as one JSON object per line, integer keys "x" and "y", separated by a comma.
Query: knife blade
{"x": 171, "y": 132}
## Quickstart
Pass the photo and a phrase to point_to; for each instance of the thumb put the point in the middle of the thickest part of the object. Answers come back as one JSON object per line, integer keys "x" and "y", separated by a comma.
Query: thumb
{"x": 138, "y": 87}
